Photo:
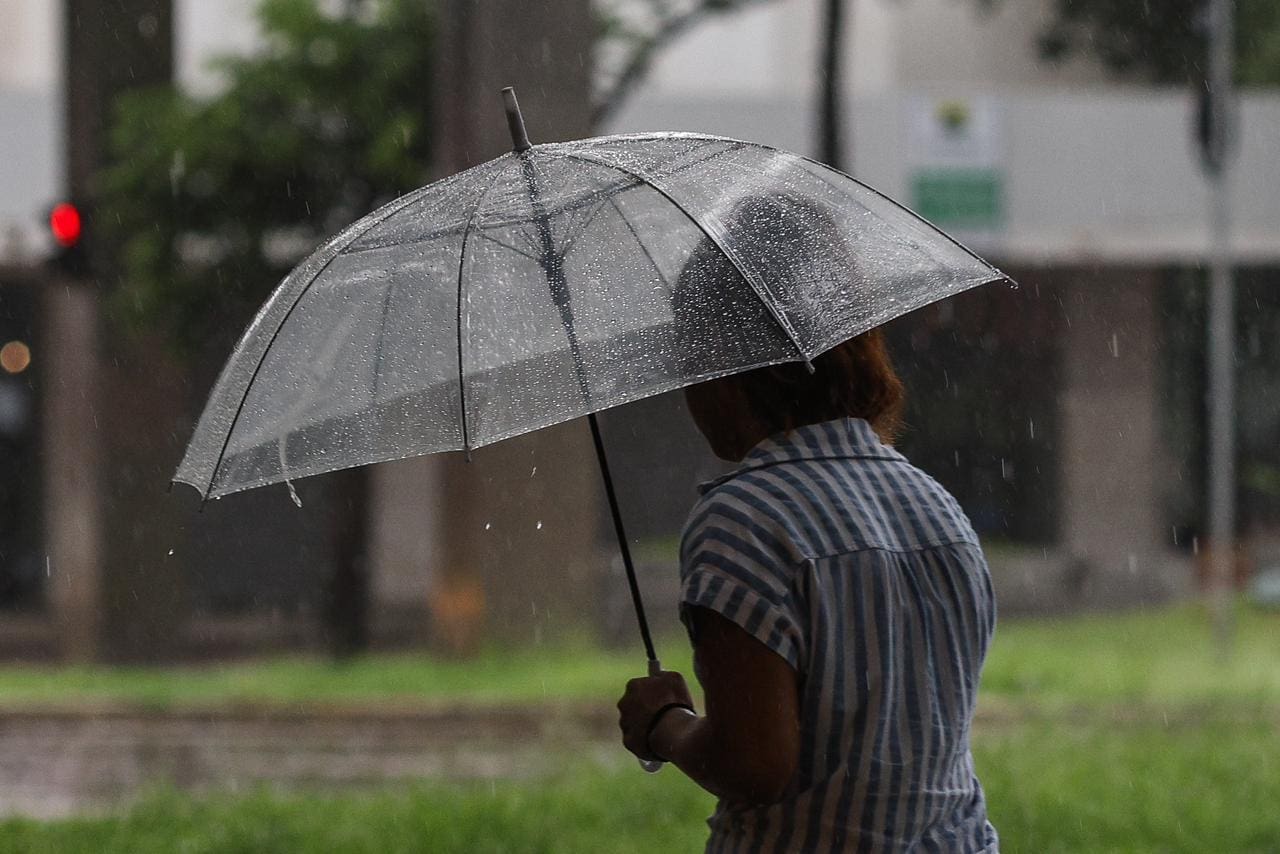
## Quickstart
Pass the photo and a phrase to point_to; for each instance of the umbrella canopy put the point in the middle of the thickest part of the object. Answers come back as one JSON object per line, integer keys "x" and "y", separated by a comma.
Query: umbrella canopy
{"x": 553, "y": 282}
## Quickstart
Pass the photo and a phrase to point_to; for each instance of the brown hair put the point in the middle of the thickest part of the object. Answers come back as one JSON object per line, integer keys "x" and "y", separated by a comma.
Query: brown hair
{"x": 854, "y": 379}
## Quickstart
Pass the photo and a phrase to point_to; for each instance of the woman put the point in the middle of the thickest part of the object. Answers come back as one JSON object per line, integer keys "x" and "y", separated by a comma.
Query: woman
{"x": 840, "y": 609}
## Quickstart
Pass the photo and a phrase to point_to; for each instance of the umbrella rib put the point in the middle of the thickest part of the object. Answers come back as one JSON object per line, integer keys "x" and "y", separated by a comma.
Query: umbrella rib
{"x": 643, "y": 248}
{"x": 569, "y": 242}
{"x": 462, "y": 262}
{"x": 405, "y": 201}
{"x": 750, "y": 277}
{"x": 508, "y": 246}
{"x": 435, "y": 233}
{"x": 1000, "y": 273}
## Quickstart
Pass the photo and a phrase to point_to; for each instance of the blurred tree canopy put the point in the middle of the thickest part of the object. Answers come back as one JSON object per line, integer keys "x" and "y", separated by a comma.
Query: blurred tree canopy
{"x": 1163, "y": 41}
{"x": 209, "y": 202}
{"x": 633, "y": 32}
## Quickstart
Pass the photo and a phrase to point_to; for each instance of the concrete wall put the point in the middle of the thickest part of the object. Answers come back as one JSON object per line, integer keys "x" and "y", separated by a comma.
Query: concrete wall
{"x": 1086, "y": 177}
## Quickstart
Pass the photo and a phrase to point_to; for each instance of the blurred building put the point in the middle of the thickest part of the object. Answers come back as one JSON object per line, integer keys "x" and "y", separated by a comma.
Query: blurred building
{"x": 1065, "y": 415}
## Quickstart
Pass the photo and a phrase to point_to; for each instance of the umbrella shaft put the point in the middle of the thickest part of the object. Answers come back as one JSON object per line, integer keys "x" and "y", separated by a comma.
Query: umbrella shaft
{"x": 622, "y": 538}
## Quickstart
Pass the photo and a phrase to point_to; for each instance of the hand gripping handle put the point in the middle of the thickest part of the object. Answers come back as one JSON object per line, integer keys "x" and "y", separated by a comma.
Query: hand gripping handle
{"x": 653, "y": 766}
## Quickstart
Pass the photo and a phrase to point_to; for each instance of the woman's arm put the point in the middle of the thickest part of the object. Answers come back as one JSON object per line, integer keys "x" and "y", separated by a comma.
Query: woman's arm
{"x": 746, "y": 746}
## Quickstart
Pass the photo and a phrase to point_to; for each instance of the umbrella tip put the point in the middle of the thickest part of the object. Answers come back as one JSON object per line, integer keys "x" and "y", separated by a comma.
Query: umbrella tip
{"x": 515, "y": 121}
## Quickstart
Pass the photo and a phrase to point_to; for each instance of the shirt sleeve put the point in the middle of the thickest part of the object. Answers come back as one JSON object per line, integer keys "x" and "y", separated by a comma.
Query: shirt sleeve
{"x": 734, "y": 560}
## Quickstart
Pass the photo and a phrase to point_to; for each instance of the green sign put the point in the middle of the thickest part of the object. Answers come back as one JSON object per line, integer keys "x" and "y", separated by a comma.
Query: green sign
{"x": 959, "y": 198}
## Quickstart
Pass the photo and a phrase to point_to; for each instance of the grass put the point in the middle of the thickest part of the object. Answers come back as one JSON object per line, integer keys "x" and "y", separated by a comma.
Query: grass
{"x": 594, "y": 810}
{"x": 1156, "y": 658}
{"x": 1126, "y": 734}
{"x": 1147, "y": 787}
{"x": 564, "y": 673}
{"x": 1051, "y": 788}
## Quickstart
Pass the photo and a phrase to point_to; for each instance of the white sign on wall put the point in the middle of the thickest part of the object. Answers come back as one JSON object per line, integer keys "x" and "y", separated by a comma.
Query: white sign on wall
{"x": 955, "y": 162}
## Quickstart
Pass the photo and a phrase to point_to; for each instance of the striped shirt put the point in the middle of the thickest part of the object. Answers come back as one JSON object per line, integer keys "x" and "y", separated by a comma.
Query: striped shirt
{"x": 866, "y": 576}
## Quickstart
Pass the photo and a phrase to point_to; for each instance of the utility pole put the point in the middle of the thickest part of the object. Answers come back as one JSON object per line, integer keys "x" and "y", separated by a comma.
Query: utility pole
{"x": 1217, "y": 114}
{"x": 110, "y": 592}
{"x": 830, "y": 85}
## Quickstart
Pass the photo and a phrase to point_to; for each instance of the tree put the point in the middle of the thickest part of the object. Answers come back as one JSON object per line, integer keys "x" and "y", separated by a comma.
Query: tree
{"x": 633, "y": 33}
{"x": 209, "y": 202}
{"x": 1162, "y": 42}
{"x": 212, "y": 201}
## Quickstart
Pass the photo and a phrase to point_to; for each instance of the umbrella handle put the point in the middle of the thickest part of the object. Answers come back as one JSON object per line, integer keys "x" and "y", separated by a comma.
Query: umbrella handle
{"x": 653, "y": 766}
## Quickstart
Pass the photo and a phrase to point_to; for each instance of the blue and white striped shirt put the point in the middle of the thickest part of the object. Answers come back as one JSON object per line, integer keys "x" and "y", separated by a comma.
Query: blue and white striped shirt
{"x": 866, "y": 576}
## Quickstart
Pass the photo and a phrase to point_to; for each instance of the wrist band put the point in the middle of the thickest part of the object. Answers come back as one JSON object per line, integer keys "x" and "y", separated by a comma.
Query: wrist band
{"x": 657, "y": 718}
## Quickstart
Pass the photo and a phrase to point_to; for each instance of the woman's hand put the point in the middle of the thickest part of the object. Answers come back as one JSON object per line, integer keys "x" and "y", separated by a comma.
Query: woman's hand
{"x": 644, "y": 698}
{"x": 746, "y": 748}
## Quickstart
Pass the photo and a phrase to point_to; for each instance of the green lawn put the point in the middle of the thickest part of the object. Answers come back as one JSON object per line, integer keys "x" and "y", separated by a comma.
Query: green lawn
{"x": 538, "y": 674}
{"x": 1109, "y": 733}
{"x": 1051, "y": 788}
{"x": 1158, "y": 658}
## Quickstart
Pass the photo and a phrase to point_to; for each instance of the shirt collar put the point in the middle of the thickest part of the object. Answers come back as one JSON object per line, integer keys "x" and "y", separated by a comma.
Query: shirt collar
{"x": 845, "y": 438}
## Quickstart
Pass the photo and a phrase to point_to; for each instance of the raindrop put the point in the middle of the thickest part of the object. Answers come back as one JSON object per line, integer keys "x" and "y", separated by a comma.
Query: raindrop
{"x": 170, "y": 552}
{"x": 1195, "y": 545}
{"x": 1031, "y": 427}
{"x": 535, "y": 471}
{"x": 293, "y": 493}
{"x": 1115, "y": 345}
{"x": 539, "y": 525}
{"x": 488, "y": 525}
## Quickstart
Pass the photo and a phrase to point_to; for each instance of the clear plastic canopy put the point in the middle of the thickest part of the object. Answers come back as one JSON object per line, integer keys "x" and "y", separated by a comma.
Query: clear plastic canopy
{"x": 562, "y": 280}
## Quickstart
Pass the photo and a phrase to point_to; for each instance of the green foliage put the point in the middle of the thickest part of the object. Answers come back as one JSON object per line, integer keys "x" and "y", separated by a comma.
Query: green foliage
{"x": 1100, "y": 786}
{"x": 1103, "y": 733}
{"x": 1161, "y": 659}
{"x": 572, "y": 671}
{"x": 589, "y": 808}
{"x": 1163, "y": 41}
{"x": 1050, "y": 786}
{"x": 211, "y": 200}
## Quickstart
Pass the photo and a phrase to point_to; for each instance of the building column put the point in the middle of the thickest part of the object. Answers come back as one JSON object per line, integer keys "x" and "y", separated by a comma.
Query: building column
{"x": 504, "y": 545}
{"x": 1112, "y": 519}
{"x": 72, "y": 449}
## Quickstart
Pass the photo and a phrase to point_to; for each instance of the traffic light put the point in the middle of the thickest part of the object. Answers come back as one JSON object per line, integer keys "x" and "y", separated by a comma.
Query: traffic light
{"x": 69, "y": 226}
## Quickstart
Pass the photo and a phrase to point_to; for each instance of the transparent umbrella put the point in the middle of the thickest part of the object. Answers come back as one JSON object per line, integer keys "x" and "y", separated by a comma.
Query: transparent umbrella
{"x": 554, "y": 282}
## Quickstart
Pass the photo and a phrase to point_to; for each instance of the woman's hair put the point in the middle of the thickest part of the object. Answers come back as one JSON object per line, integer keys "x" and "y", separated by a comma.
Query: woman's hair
{"x": 854, "y": 379}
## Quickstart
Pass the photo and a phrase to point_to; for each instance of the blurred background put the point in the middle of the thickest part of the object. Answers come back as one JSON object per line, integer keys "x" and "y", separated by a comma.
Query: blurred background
{"x": 425, "y": 654}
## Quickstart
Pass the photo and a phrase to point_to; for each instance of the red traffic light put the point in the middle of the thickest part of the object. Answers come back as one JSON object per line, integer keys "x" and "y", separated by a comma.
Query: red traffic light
{"x": 64, "y": 222}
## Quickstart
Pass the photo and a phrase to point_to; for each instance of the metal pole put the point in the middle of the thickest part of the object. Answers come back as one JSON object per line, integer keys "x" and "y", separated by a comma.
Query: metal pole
{"x": 831, "y": 88}
{"x": 553, "y": 270}
{"x": 1221, "y": 332}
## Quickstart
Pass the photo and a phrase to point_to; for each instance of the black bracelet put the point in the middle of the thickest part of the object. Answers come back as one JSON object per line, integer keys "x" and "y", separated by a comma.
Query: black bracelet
{"x": 657, "y": 718}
